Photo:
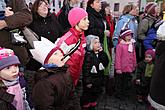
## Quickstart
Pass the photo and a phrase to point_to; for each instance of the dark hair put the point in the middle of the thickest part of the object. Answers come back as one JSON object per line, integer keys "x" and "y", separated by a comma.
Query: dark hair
{"x": 90, "y": 2}
{"x": 36, "y": 4}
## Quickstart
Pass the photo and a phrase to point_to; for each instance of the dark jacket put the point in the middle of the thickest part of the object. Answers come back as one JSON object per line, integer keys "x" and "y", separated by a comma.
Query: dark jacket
{"x": 5, "y": 100}
{"x": 140, "y": 73}
{"x": 63, "y": 17}
{"x": 20, "y": 18}
{"x": 54, "y": 90}
{"x": 157, "y": 90}
{"x": 91, "y": 59}
{"x": 47, "y": 27}
{"x": 96, "y": 24}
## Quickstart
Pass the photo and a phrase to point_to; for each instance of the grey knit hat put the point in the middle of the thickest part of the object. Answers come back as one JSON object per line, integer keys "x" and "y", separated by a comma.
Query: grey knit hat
{"x": 90, "y": 39}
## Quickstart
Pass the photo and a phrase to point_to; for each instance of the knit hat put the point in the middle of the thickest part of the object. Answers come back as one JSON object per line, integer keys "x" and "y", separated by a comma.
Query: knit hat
{"x": 7, "y": 58}
{"x": 89, "y": 40}
{"x": 150, "y": 8}
{"x": 150, "y": 52}
{"x": 75, "y": 15}
{"x": 125, "y": 32}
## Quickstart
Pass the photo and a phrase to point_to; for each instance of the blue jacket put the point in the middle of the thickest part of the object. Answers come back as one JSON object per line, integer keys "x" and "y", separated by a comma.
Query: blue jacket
{"x": 123, "y": 20}
{"x": 150, "y": 37}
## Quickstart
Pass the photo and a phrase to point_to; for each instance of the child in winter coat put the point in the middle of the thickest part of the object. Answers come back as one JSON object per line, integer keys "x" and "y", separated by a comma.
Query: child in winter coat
{"x": 78, "y": 18}
{"x": 95, "y": 62}
{"x": 144, "y": 73}
{"x": 55, "y": 80}
{"x": 11, "y": 93}
{"x": 125, "y": 62}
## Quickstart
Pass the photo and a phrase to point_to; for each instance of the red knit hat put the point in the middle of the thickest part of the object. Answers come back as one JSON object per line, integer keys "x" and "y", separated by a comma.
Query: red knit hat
{"x": 75, "y": 15}
{"x": 150, "y": 8}
{"x": 7, "y": 58}
{"x": 150, "y": 52}
{"x": 125, "y": 32}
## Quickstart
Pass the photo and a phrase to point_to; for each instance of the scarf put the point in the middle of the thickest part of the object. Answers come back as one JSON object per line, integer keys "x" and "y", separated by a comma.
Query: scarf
{"x": 130, "y": 44}
{"x": 13, "y": 87}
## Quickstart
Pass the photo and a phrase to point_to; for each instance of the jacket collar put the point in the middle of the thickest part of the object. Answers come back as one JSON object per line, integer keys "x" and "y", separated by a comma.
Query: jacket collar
{"x": 92, "y": 11}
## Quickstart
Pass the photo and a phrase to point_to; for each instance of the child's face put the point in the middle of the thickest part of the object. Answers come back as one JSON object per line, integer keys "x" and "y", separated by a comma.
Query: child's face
{"x": 56, "y": 59}
{"x": 10, "y": 73}
{"x": 148, "y": 58}
{"x": 83, "y": 24}
{"x": 128, "y": 38}
{"x": 96, "y": 45}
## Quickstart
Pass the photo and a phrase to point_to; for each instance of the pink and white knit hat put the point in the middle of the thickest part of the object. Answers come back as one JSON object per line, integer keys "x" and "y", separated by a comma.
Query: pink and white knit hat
{"x": 7, "y": 58}
{"x": 125, "y": 32}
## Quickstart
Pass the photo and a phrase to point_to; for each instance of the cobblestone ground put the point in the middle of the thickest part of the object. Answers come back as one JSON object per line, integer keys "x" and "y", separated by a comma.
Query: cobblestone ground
{"x": 106, "y": 102}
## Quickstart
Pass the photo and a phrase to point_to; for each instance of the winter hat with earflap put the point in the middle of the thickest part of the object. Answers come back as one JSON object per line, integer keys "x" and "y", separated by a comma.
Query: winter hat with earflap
{"x": 150, "y": 8}
{"x": 125, "y": 32}
{"x": 150, "y": 52}
{"x": 75, "y": 15}
{"x": 89, "y": 40}
{"x": 7, "y": 58}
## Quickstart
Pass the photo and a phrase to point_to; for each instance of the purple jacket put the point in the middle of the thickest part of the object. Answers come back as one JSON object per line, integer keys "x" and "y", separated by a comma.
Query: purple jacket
{"x": 125, "y": 60}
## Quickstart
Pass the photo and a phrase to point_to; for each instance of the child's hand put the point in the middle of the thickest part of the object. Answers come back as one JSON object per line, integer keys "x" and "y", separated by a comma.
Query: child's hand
{"x": 137, "y": 81}
{"x": 8, "y": 11}
{"x": 89, "y": 85}
{"x": 118, "y": 71}
{"x": 101, "y": 49}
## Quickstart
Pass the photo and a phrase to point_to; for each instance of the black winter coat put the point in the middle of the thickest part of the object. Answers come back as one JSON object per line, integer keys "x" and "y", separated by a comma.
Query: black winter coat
{"x": 96, "y": 24}
{"x": 6, "y": 100}
{"x": 96, "y": 79}
{"x": 157, "y": 89}
{"x": 63, "y": 17}
{"x": 54, "y": 90}
{"x": 47, "y": 27}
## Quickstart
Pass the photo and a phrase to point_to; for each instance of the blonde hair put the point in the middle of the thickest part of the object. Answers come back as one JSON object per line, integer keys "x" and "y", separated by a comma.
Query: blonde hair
{"x": 127, "y": 8}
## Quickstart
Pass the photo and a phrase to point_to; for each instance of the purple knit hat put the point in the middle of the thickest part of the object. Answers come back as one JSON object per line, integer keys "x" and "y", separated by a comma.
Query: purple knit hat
{"x": 150, "y": 52}
{"x": 150, "y": 8}
{"x": 7, "y": 58}
{"x": 75, "y": 15}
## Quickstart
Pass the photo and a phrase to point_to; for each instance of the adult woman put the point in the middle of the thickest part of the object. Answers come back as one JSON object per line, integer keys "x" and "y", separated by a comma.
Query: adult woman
{"x": 96, "y": 25}
{"x": 127, "y": 20}
{"x": 44, "y": 23}
{"x": 151, "y": 15}
{"x": 63, "y": 13}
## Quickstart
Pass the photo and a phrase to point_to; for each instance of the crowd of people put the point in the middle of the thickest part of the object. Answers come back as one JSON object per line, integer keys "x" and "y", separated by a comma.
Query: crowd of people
{"x": 78, "y": 41}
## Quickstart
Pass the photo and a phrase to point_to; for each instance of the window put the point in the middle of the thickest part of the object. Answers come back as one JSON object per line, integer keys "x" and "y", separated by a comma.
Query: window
{"x": 116, "y": 6}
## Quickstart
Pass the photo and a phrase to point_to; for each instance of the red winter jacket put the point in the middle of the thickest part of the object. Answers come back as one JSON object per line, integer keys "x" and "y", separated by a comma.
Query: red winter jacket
{"x": 68, "y": 41}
